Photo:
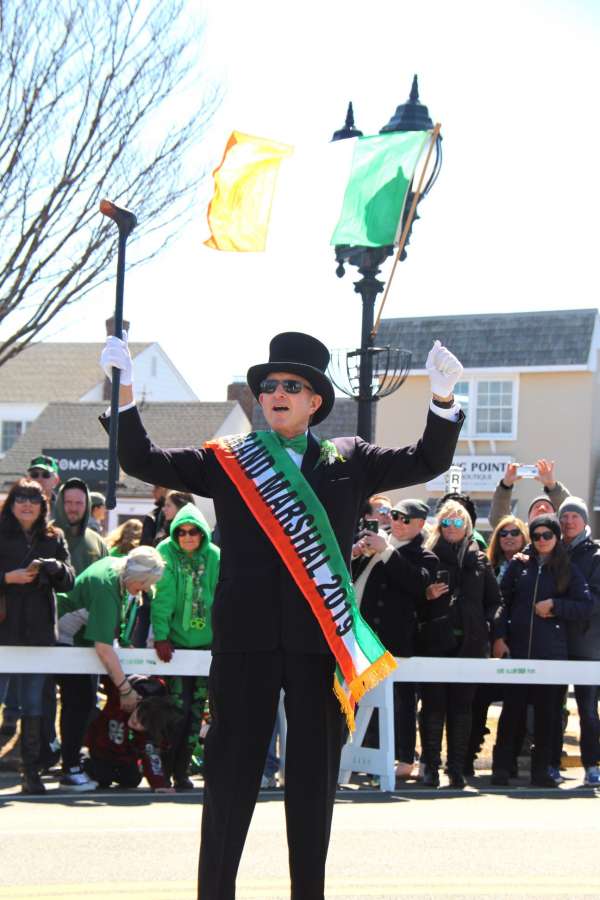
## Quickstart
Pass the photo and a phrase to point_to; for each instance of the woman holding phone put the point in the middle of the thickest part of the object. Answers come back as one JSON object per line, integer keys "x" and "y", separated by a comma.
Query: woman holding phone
{"x": 34, "y": 564}
{"x": 454, "y": 619}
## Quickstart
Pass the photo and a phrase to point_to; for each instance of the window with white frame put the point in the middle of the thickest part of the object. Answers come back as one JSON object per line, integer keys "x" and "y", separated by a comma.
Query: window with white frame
{"x": 490, "y": 405}
{"x": 11, "y": 432}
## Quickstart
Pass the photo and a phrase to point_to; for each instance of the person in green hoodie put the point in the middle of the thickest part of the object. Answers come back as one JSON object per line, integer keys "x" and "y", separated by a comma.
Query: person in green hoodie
{"x": 181, "y": 619}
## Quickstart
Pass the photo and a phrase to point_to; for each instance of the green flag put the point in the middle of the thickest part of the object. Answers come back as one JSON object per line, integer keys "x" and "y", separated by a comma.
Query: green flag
{"x": 382, "y": 169}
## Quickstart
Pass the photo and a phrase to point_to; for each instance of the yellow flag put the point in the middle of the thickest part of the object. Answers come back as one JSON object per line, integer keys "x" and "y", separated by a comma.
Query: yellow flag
{"x": 238, "y": 214}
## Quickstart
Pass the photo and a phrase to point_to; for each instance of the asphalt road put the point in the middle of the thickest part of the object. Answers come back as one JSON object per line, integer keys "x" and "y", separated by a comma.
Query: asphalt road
{"x": 415, "y": 843}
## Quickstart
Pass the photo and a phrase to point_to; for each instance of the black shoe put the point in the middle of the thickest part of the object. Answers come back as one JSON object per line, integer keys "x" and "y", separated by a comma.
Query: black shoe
{"x": 456, "y": 780}
{"x": 431, "y": 777}
{"x": 500, "y": 778}
{"x": 185, "y": 784}
{"x": 542, "y": 779}
{"x": 31, "y": 783}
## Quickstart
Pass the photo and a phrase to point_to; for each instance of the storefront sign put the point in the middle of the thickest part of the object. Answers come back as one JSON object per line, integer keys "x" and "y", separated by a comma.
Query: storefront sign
{"x": 91, "y": 465}
{"x": 479, "y": 473}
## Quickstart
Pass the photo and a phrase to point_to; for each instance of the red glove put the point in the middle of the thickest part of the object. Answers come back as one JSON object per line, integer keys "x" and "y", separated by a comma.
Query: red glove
{"x": 164, "y": 650}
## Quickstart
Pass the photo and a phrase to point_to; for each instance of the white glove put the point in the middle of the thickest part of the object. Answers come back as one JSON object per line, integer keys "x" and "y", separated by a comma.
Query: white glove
{"x": 116, "y": 355}
{"x": 443, "y": 369}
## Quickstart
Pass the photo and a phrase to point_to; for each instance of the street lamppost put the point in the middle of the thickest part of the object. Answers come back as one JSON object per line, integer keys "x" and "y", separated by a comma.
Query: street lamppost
{"x": 353, "y": 371}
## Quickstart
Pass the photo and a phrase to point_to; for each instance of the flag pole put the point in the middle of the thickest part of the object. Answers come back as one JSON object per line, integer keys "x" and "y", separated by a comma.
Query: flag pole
{"x": 407, "y": 225}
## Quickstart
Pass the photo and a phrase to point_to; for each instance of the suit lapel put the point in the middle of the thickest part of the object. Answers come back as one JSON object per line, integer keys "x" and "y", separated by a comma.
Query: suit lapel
{"x": 311, "y": 471}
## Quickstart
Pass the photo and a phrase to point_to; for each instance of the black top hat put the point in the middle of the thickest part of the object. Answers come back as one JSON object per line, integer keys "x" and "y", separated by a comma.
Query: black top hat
{"x": 299, "y": 354}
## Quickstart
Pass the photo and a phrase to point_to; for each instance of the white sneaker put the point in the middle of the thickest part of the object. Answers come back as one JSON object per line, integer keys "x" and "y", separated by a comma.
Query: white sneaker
{"x": 268, "y": 782}
{"x": 77, "y": 780}
{"x": 592, "y": 776}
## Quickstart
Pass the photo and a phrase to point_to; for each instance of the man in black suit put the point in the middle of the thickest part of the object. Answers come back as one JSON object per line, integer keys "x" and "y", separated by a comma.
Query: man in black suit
{"x": 265, "y": 634}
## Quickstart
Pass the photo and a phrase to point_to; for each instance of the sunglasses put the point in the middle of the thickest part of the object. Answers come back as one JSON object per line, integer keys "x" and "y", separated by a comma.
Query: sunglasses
{"x": 289, "y": 385}
{"x": 40, "y": 473}
{"x": 509, "y": 532}
{"x": 458, "y": 523}
{"x": 396, "y": 514}
{"x": 542, "y": 536}
{"x": 28, "y": 498}
{"x": 187, "y": 532}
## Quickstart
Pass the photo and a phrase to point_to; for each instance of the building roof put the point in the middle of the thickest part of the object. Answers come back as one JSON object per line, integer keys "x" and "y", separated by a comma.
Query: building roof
{"x": 48, "y": 371}
{"x": 340, "y": 422}
{"x": 75, "y": 425}
{"x": 515, "y": 340}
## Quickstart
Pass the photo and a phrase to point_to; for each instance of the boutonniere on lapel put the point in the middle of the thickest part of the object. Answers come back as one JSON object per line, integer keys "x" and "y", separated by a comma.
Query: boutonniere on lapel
{"x": 329, "y": 454}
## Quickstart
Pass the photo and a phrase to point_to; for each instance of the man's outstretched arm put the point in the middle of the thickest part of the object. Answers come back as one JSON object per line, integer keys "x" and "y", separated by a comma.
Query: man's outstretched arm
{"x": 179, "y": 469}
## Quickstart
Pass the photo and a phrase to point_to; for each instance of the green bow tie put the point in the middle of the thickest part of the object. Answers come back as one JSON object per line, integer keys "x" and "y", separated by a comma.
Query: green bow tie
{"x": 298, "y": 444}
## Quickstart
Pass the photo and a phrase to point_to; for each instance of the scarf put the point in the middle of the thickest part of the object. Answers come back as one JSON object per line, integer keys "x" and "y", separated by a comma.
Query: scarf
{"x": 293, "y": 518}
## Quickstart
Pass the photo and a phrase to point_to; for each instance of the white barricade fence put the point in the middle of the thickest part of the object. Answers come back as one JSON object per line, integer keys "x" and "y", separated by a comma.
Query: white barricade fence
{"x": 355, "y": 757}
{"x": 84, "y": 661}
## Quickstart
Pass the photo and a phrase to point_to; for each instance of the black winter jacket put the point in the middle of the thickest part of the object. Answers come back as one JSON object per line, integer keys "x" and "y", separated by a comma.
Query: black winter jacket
{"x": 392, "y": 592}
{"x": 528, "y": 636}
{"x": 468, "y": 608}
{"x": 31, "y": 608}
{"x": 584, "y": 635}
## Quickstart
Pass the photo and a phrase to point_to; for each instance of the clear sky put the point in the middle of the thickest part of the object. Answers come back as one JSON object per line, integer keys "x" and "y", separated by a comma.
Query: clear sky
{"x": 511, "y": 224}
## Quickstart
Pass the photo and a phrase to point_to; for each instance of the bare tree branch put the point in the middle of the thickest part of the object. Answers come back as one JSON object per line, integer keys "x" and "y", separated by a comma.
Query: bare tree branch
{"x": 91, "y": 105}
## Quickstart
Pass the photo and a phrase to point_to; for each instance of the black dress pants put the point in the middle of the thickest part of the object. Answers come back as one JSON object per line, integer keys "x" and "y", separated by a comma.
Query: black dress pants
{"x": 243, "y": 696}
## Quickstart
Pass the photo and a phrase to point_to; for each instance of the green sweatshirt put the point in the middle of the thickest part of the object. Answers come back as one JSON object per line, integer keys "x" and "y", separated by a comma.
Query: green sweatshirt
{"x": 181, "y": 609}
{"x": 96, "y": 608}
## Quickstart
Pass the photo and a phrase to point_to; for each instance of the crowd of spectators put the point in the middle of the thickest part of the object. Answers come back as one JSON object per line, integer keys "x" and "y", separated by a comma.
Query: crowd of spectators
{"x": 427, "y": 583}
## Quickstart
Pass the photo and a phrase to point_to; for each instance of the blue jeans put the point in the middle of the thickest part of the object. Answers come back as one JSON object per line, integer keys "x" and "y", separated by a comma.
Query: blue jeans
{"x": 12, "y": 710}
{"x": 589, "y": 724}
{"x": 30, "y": 689}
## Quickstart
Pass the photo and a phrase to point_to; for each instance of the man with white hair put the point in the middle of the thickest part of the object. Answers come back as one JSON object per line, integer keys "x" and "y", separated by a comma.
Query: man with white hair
{"x": 102, "y": 607}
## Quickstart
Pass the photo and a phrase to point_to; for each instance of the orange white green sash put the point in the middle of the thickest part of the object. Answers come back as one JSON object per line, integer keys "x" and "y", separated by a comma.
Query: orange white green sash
{"x": 293, "y": 518}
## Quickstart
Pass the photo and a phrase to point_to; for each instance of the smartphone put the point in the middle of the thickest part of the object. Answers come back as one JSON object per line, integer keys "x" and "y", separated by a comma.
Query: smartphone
{"x": 443, "y": 577}
{"x": 372, "y": 525}
{"x": 527, "y": 471}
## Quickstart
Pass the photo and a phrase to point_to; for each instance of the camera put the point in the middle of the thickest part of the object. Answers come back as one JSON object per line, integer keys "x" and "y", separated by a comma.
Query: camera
{"x": 527, "y": 471}
{"x": 371, "y": 525}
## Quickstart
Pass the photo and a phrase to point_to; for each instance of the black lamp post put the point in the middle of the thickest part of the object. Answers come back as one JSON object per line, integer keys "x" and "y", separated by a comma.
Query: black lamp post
{"x": 354, "y": 375}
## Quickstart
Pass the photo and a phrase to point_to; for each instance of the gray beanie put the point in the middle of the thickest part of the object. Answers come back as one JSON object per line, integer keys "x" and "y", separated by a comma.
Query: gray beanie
{"x": 576, "y": 505}
{"x": 144, "y": 564}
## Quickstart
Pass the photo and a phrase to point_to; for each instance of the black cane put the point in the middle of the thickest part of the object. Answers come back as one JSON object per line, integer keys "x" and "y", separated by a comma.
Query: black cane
{"x": 126, "y": 222}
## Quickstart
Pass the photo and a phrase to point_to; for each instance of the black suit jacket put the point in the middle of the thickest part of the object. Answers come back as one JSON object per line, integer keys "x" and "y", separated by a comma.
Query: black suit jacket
{"x": 257, "y": 604}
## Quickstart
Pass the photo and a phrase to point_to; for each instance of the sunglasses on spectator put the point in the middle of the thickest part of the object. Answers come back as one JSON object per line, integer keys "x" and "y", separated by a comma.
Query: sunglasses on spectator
{"x": 31, "y": 497}
{"x": 542, "y": 536}
{"x": 396, "y": 514}
{"x": 187, "y": 532}
{"x": 289, "y": 385}
{"x": 458, "y": 523}
{"x": 40, "y": 473}
{"x": 509, "y": 532}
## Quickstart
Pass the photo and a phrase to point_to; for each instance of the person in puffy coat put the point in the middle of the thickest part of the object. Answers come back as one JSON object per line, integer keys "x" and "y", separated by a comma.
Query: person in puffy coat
{"x": 454, "y": 620}
{"x": 34, "y": 564}
{"x": 181, "y": 619}
{"x": 542, "y": 590}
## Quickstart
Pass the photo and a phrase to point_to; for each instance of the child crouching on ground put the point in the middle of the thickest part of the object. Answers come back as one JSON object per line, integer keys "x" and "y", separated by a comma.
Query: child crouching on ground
{"x": 125, "y": 746}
